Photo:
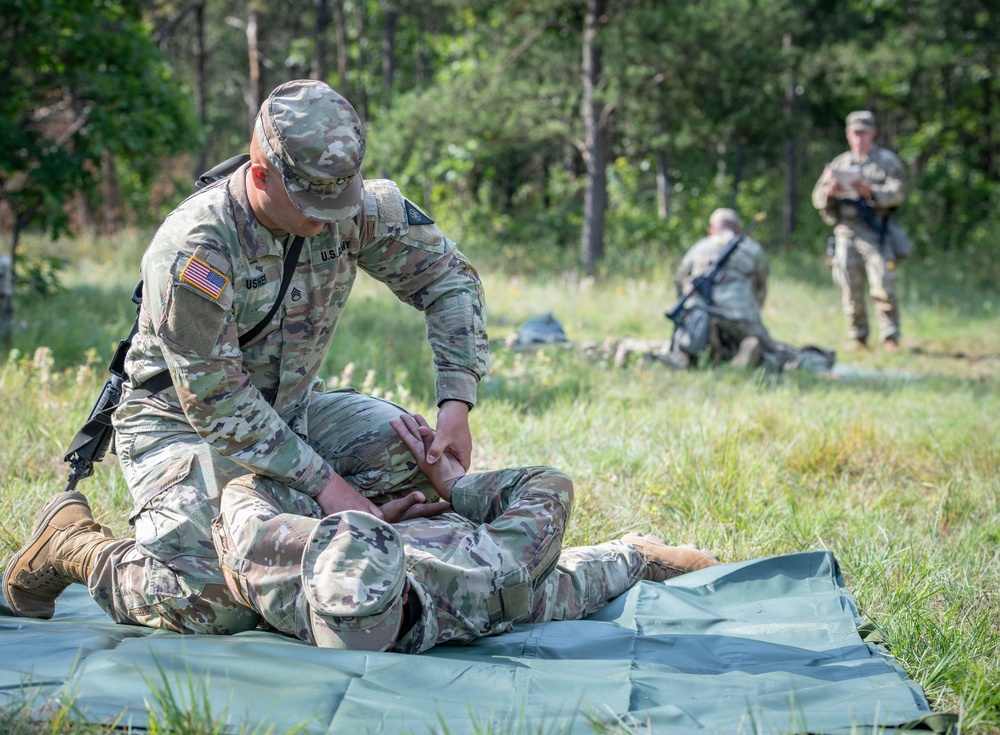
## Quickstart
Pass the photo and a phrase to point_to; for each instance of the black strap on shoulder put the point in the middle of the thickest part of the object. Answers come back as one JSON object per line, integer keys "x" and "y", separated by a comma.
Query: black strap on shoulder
{"x": 291, "y": 259}
{"x": 161, "y": 380}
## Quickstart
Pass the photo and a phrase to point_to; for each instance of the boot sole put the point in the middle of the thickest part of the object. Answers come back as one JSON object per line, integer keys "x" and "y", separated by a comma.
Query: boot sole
{"x": 55, "y": 504}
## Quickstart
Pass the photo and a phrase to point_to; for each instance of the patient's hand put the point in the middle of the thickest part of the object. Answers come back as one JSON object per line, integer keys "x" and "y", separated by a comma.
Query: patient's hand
{"x": 418, "y": 436}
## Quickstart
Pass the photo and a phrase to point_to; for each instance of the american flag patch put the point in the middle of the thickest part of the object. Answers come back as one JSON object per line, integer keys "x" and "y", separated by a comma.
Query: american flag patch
{"x": 205, "y": 277}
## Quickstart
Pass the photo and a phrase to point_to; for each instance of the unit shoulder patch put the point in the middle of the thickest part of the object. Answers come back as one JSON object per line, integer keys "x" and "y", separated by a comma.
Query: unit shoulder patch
{"x": 204, "y": 277}
{"x": 414, "y": 215}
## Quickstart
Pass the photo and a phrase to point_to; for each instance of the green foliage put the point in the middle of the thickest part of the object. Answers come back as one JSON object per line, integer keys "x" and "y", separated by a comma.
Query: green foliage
{"x": 81, "y": 81}
{"x": 39, "y": 273}
{"x": 474, "y": 107}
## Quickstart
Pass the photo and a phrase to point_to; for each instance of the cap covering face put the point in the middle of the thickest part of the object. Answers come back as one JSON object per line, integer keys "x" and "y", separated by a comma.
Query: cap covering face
{"x": 353, "y": 573}
{"x": 861, "y": 120}
{"x": 314, "y": 137}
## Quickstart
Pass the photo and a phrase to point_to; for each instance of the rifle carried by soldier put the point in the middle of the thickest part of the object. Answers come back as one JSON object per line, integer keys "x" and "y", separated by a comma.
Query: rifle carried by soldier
{"x": 91, "y": 443}
{"x": 691, "y": 321}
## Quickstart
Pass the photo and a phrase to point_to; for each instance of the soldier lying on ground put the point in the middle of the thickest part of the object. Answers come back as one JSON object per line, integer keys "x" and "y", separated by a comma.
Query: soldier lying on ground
{"x": 350, "y": 580}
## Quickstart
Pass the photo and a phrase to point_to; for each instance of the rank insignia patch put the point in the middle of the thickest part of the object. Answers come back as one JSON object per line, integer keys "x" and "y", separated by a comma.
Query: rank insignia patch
{"x": 204, "y": 277}
{"x": 414, "y": 216}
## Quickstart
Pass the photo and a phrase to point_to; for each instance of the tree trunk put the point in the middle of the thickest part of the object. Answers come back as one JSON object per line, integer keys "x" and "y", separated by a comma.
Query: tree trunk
{"x": 7, "y": 281}
{"x": 110, "y": 212}
{"x": 201, "y": 83}
{"x": 389, "y": 54}
{"x": 738, "y": 167}
{"x": 791, "y": 164}
{"x": 360, "y": 99}
{"x": 340, "y": 29}
{"x": 321, "y": 63}
{"x": 256, "y": 94}
{"x": 420, "y": 63}
{"x": 595, "y": 154}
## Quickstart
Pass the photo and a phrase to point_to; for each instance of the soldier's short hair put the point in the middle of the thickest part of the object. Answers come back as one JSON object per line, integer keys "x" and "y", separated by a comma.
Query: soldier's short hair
{"x": 725, "y": 219}
{"x": 315, "y": 139}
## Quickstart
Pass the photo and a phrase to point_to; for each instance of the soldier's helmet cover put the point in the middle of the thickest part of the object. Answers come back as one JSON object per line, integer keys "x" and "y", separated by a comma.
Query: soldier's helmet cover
{"x": 314, "y": 137}
{"x": 353, "y": 574}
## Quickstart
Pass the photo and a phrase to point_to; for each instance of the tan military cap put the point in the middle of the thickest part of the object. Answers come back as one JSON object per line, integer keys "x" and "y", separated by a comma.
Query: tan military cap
{"x": 315, "y": 138}
{"x": 861, "y": 120}
{"x": 353, "y": 575}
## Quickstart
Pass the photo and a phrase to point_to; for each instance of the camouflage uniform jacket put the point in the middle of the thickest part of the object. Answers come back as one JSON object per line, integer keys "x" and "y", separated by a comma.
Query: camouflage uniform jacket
{"x": 742, "y": 286}
{"x": 885, "y": 172}
{"x": 212, "y": 272}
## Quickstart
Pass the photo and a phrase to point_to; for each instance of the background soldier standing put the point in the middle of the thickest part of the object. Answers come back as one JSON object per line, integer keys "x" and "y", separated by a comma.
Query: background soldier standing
{"x": 856, "y": 194}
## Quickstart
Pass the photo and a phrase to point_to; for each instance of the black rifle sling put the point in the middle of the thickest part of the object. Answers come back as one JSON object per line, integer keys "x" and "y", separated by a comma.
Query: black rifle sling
{"x": 161, "y": 380}
{"x": 291, "y": 259}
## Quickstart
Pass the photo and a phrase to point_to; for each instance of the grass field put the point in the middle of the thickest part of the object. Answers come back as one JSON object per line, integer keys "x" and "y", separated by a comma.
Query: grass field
{"x": 891, "y": 463}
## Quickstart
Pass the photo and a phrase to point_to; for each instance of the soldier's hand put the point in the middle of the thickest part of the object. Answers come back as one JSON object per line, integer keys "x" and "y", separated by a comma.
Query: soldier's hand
{"x": 418, "y": 437}
{"x": 453, "y": 435}
{"x": 412, "y": 506}
{"x": 863, "y": 187}
{"x": 337, "y": 496}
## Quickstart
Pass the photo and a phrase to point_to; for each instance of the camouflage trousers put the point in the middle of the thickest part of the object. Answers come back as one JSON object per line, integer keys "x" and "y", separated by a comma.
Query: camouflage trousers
{"x": 858, "y": 262}
{"x": 168, "y": 576}
{"x": 496, "y": 561}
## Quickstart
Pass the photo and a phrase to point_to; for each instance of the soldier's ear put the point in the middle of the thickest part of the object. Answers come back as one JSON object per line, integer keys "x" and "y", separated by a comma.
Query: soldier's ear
{"x": 258, "y": 175}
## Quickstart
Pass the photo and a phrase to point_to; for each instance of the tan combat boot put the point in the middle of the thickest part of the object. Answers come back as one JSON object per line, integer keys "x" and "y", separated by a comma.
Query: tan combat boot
{"x": 62, "y": 549}
{"x": 664, "y": 561}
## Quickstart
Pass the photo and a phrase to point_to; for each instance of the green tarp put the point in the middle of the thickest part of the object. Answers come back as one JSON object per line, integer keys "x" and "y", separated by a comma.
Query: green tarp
{"x": 765, "y": 646}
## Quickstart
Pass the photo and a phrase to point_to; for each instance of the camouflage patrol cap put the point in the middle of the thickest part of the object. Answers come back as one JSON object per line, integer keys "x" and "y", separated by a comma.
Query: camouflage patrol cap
{"x": 861, "y": 120}
{"x": 353, "y": 573}
{"x": 314, "y": 137}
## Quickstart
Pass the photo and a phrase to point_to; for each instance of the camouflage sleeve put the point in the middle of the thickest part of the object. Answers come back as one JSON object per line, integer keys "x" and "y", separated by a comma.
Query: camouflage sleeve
{"x": 426, "y": 270}
{"x": 891, "y": 191}
{"x": 190, "y": 302}
{"x": 820, "y": 199}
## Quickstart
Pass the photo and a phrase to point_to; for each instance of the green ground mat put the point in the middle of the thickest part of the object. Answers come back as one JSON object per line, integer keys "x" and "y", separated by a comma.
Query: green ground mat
{"x": 764, "y": 646}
